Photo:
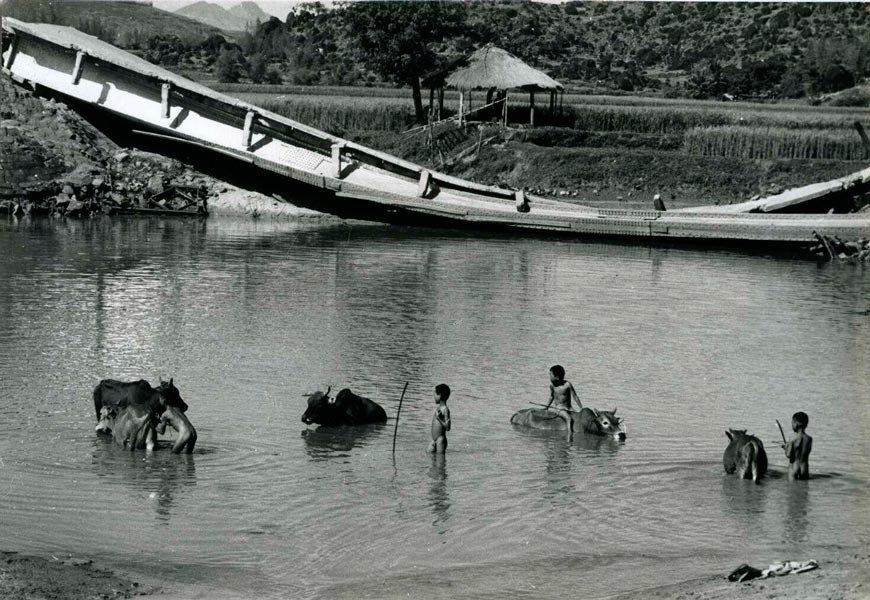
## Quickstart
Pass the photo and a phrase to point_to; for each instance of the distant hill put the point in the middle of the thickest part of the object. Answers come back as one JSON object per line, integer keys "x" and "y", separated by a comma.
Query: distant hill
{"x": 237, "y": 18}
{"x": 125, "y": 24}
{"x": 249, "y": 12}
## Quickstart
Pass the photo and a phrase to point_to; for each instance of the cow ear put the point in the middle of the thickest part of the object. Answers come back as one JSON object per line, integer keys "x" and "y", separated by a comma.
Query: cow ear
{"x": 730, "y": 435}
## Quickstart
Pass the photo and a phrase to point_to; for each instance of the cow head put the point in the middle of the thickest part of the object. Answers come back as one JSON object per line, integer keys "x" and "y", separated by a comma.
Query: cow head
{"x": 609, "y": 424}
{"x": 107, "y": 419}
{"x": 322, "y": 409}
{"x": 169, "y": 395}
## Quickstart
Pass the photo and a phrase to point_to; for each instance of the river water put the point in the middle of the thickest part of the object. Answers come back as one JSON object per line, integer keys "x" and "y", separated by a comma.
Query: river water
{"x": 247, "y": 316}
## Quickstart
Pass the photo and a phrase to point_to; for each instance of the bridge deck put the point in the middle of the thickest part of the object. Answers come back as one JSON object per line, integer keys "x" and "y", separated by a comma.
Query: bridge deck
{"x": 88, "y": 70}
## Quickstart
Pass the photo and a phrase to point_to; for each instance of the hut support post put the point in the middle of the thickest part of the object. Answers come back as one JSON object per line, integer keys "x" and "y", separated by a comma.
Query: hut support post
{"x": 164, "y": 100}
{"x": 532, "y": 109}
{"x": 248, "y": 132}
{"x": 77, "y": 69}
{"x": 505, "y": 107}
{"x": 440, "y": 102}
{"x": 461, "y": 103}
{"x": 431, "y": 102}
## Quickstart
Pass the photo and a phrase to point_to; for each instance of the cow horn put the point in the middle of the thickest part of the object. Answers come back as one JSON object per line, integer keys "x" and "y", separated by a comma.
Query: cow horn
{"x": 613, "y": 411}
{"x": 328, "y": 389}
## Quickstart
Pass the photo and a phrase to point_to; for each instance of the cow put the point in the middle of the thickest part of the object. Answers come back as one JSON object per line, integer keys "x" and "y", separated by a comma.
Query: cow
{"x": 131, "y": 426}
{"x": 346, "y": 408}
{"x": 586, "y": 420}
{"x": 744, "y": 455}
{"x": 119, "y": 394}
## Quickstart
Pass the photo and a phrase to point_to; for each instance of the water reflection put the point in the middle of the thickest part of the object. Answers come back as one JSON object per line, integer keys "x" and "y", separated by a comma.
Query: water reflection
{"x": 744, "y": 502}
{"x": 439, "y": 498}
{"x": 324, "y": 443}
{"x": 797, "y": 509}
{"x": 161, "y": 474}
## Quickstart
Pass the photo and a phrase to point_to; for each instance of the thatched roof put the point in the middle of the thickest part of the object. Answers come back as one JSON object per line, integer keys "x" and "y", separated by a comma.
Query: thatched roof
{"x": 492, "y": 67}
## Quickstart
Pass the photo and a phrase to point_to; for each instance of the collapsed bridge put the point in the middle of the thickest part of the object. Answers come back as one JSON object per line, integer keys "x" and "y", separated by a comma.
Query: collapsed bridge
{"x": 317, "y": 170}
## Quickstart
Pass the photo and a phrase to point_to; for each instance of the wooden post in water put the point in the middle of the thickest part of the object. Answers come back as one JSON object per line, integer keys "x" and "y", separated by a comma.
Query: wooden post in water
{"x": 398, "y": 412}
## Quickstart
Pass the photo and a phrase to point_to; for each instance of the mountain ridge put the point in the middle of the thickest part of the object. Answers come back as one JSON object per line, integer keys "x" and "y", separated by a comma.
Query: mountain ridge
{"x": 240, "y": 17}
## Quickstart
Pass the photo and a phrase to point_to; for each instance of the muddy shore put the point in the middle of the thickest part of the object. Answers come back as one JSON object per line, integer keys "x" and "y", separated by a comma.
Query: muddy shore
{"x": 841, "y": 576}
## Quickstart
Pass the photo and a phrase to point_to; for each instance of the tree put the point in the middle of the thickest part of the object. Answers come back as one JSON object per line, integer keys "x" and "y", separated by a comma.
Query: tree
{"x": 395, "y": 39}
{"x": 228, "y": 69}
{"x": 257, "y": 68}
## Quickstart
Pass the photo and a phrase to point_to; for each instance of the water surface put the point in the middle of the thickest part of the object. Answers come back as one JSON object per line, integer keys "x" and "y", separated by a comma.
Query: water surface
{"x": 248, "y": 316}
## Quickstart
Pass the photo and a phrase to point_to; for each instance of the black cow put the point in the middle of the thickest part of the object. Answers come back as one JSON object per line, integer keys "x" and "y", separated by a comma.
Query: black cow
{"x": 346, "y": 408}
{"x": 119, "y": 394}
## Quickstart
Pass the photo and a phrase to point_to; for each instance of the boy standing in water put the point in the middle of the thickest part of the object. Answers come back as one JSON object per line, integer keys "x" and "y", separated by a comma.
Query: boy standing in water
{"x": 440, "y": 420}
{"x": 179, "y": 422}
{"x": 561, "y": 392}
{"x": 798, "y": 448}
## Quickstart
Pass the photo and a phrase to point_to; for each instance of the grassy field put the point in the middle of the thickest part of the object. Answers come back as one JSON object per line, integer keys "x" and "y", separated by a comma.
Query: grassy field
{"x": 700, "y": 128}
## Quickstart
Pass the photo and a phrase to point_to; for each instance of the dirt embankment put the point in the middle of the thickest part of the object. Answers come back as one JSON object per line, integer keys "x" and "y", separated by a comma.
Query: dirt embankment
{"x": 625, "y": 170}
{"x": 53, "y": 162}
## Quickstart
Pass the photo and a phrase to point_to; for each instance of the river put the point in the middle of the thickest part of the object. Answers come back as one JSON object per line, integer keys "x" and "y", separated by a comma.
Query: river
{"x": 247, "y": 316}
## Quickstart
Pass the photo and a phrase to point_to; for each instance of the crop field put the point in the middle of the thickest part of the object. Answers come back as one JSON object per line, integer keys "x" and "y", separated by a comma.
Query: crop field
{"x": 707, "y": 128}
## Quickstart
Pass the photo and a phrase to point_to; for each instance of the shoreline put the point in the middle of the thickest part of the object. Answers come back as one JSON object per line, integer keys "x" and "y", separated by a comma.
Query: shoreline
{"x": 65, "y": 577}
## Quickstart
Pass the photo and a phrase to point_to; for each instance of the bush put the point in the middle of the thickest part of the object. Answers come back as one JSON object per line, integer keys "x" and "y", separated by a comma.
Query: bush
{"x": 854, "y": 97}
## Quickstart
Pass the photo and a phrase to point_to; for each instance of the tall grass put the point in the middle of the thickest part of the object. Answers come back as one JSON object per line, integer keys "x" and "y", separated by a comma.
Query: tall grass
{"x": 772, "y": 143}
{"x": 339, "y": 114}
{"x": 681, "y": 118}
{"x": 697, "y": 128}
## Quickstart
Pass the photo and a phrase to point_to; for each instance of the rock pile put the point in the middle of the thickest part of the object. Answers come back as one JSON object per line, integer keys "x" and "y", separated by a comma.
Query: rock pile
{"x": 54, "y": 162}
{"x": 833, "y": 248}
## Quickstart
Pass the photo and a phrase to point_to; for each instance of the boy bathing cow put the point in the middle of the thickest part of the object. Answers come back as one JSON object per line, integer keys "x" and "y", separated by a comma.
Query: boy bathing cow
{"x": 798, "y": 448}
{"x": 134, "y": 413}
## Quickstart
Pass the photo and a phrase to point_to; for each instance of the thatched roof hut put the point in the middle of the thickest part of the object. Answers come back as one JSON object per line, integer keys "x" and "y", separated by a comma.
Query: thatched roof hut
{"x": 492, "y": 67}
{"x": 496, "y": 71}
